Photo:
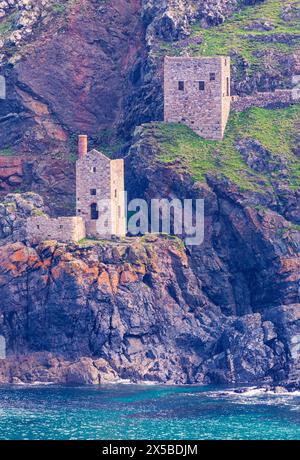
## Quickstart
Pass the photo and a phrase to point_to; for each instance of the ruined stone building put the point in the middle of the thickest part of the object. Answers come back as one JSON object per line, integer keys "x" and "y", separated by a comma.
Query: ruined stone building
{"x": 100, "y": 196}
{"x": 197, "y": 94}
{"x": 100, "y": 202}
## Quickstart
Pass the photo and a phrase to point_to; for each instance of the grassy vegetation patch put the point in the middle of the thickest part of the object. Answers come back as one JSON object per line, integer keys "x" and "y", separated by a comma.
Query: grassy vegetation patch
{"x": 240, "y": 37}
{"x": 59, "y": 8}
{"x": 7, "y": 24}
{"x": 275, "y": 130}
{"x": 8, "y": 152}
{"x": 86, "y": 242}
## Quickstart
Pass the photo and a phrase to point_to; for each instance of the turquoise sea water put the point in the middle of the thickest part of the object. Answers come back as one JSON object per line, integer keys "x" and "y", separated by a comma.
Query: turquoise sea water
{"x": 146, "y": 412}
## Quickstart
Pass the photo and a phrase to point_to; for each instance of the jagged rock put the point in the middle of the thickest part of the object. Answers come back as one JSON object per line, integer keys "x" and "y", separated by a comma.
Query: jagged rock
{"x": 82, "y": 373}
{"x": 53, "y": 179}
{"x": 260, "y": 26}
{"x": 269, "y": 331}
{"x": 290, "y": 11}
{"x": 172, "y": 19}
{"x": 97, "y": 42}
{"x": 259, "y": 159}
{"x": 257, "y": 358}
{"x": 165, "y": 331}
{"x": 14, "y": 210}
{"x": 286, "y": 320}
{"x": 44, "y": 367}
{"x": 11, "y": 172}
{"x": 245, "y": 231}
{"x": 277, "y": 169}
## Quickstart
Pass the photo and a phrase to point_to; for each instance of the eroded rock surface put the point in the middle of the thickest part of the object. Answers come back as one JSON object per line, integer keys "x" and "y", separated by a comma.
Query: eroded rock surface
{"x": 252, "y": 237}
{"x": 71, "y": 76}
{"x": 147, "y": 309}
{"x": 134, "y": 311}
{"x": 96, "y": 67}
{"x": 14, "y": 210}
{"x": 172, "y": 19}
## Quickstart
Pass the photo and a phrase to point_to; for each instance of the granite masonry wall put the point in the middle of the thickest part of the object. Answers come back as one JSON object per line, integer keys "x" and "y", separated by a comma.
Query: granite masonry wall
{"x": 99, "y": 178}
{"x": 197, "y": 94}
{"x": 63, "y": 229}
{"x": 278, "y": 98}
{"x": 119, "y": 216}
{"x": 92, "y": 176}
{"x": 225, "y": 97}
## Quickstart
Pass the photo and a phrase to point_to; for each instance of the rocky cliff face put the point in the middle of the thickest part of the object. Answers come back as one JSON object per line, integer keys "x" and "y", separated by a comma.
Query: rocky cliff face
{"x": 96, "y": 67}
{"x": 51, "y": 178}
{"x": 249, "y": 261}
{"x": 172, "y": 19}
{"x": 66, "y": 66}
{"x": 149, "y": 309}
{"x": 134, "y": 311}
{"x": 14, "y": 210}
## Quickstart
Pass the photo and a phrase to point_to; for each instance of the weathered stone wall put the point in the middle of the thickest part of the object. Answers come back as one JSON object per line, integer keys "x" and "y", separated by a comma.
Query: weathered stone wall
{"x": 225, "y": 97}
{"x": 97, "y": 174}
{"x": 118, "y": 198}
{"x": 205, "y": 111}
{"x": 64, "y": 229}
{"x": 92, "y": 173}
{"x": 279, "y": 97}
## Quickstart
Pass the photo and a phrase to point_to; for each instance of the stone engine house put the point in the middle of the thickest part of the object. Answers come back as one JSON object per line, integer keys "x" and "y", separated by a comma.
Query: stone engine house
{"x": 100, "y": 202}
{"x": 197, "y": 94}
{"x": 100, "y": 197}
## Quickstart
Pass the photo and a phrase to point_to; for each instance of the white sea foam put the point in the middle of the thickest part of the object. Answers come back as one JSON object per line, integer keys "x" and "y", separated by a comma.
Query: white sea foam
{"x": 32, "y": 384}
{"x": 37, "y": 383}
{"x": 264, "y": 391}
{"x": 249, "y": 392}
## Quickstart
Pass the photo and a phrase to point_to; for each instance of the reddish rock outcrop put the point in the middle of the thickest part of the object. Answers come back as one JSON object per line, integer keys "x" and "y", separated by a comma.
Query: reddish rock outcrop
{"x": 73, "y": 76}
{"x": 53, "y": 179}
{"x": 11, "y": 172}
{"x": 134, "y": 311}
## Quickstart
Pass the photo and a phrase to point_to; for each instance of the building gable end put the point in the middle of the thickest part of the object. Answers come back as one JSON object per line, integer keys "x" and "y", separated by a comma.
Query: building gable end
{"x": 97, "y": 155}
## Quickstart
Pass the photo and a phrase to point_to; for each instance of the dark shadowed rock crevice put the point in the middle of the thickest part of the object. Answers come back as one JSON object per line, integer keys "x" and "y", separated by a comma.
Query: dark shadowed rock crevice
{"x": 53, "y": 179}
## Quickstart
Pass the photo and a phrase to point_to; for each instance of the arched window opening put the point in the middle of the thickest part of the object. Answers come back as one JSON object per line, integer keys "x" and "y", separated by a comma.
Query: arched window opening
{"x": 94, "y": 211}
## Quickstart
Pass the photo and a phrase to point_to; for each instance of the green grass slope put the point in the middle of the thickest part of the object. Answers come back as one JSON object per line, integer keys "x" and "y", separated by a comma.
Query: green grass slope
{"x": 276, "y": 130}
{"x": 259, "y": 34}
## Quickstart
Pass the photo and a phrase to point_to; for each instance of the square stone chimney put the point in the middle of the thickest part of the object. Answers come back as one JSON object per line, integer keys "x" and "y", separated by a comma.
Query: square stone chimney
{"x": 82, "y": 146}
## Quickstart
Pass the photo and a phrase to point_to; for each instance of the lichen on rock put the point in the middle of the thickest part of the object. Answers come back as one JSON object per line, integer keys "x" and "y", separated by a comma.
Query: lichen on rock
{"x": 15, "y": 208}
